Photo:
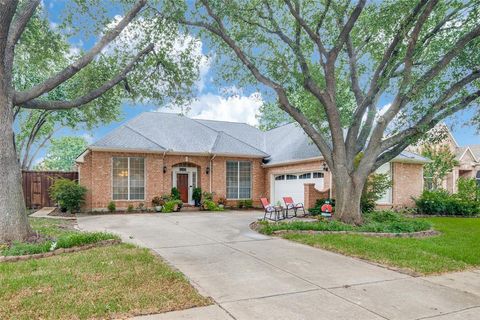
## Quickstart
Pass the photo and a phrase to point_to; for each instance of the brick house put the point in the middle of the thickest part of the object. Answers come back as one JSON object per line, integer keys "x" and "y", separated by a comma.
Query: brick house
{"x": 468, "y": 158}
{"x": 154, "y": 152}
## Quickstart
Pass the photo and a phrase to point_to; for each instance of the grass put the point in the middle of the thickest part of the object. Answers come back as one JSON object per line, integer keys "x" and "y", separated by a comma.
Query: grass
{"x": 382, "y": 221}
{"x": 457, "y": 248}
{"x": 60, "y": 234}
{"x": 105, "y": 282}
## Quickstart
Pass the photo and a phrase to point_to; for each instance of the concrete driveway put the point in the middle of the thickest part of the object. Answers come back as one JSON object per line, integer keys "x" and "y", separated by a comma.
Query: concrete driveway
{"x": 251, "y": 276}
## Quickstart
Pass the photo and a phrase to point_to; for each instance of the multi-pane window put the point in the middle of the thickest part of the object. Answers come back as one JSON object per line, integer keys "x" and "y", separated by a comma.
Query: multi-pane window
{"x": 305, "y": 176}
{"x": 478, "y": 178}
{"x": 281, "y": 177}
{"x": 317, "y": 175}
{"x": 239, "y": 179}
{"x": 291, "y": 177}
{"x": 128, "y": 178}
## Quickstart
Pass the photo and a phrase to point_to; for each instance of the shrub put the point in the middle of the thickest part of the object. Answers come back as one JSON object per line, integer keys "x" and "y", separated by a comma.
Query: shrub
{"x": 247, "y": 203}
{"x": 111, "y": 206}
{"x": 468, "y": 189}
{"x": 130, "y": 208}
{"x": 440, "y": 202}
{"x": 210, "y": 205}
{"x": 207, "y": 196}
{"x": 68, "y": 194}
{"x": 175, "y": 194}
{"x": 197, "y": 196}
{"x": 169, "y": 206}
{"x": 141, "y": 207}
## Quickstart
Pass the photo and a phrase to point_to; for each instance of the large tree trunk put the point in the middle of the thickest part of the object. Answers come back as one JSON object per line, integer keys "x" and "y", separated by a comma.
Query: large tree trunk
{"x": 347, "y": 199}
{"x": 13, "y": 214}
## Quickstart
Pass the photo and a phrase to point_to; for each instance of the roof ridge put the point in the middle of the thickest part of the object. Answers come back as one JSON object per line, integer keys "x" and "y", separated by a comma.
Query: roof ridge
{"x": 282, "y": 125}
{"x": 137, "y": 132}
{"x": 217, "y": 138}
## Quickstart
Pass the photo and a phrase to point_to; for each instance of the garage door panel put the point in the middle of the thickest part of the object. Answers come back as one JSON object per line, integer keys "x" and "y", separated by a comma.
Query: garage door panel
{"x": 293, "y": 188}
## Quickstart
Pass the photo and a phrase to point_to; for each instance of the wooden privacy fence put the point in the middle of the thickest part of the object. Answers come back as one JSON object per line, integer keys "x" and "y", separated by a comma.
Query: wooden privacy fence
{"x": 36, "y": 184}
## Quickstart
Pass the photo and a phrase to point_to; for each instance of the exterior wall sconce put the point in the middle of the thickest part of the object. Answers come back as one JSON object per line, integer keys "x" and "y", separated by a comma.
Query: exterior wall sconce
{"x": 325, "y": 166}
{"x": 164, "y": 169}
{"x": 207, "y": 171}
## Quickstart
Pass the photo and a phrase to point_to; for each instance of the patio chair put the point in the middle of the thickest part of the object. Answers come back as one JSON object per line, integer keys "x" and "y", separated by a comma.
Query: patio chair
{"x": 290, "y": 205}
{"x": 269, "y": 209}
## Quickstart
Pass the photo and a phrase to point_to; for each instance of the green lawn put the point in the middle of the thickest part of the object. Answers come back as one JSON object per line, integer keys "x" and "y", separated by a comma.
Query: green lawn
{"x": 105, "y": 282}
{"x": 457, "y": 248}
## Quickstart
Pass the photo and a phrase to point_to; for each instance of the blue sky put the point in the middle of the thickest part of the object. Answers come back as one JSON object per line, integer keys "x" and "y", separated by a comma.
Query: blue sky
{"x": 216, "y": 101}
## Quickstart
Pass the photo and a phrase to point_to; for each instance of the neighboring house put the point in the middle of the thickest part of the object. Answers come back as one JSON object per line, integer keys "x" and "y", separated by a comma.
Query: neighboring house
{"x": 155, "y": 151}
{"x": 468, "y": 158}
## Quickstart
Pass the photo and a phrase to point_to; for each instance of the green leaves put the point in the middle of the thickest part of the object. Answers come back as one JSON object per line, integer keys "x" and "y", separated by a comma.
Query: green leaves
{"x": 62, "y": 153}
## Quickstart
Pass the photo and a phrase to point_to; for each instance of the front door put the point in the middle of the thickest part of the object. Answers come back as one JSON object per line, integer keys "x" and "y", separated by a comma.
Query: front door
{"x": 182, "y": 186}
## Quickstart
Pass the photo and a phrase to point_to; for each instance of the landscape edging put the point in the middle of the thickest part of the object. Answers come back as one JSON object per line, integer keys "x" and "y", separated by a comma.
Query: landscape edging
{"x": 56, "y": 252}
{"x": 418, "y": 234}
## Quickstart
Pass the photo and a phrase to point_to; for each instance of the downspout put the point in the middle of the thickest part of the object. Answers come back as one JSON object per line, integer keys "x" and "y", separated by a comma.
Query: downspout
{"x": 211, "y": 171}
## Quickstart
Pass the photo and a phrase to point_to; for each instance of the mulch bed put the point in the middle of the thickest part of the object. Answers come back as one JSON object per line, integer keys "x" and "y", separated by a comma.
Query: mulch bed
{"x": 58, "y": 213}
{"x": 419, "y": 234}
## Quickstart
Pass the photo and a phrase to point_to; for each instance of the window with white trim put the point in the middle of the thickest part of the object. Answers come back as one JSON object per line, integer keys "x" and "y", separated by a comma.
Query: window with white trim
{"x": 305, "y": 176}
{"x": 239, "y": 179}
{"x": 478, "y": 178}
{"x": 128, "y": 178}
{"x": 281, "y": 177}
{"x": 291, "y": 177}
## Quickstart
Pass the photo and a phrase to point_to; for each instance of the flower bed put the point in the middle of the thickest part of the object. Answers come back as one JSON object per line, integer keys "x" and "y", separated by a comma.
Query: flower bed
{"x": 384, "y": 223}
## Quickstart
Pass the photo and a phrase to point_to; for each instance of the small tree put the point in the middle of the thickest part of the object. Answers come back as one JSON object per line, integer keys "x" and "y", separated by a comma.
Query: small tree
{"x": 376, "y": 186}
{"x": 443, "y": 161}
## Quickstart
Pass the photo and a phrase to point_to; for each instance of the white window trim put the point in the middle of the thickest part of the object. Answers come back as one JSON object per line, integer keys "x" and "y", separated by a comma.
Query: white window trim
{"x": 128, "y": 180}
{"x": 238, "y": 179}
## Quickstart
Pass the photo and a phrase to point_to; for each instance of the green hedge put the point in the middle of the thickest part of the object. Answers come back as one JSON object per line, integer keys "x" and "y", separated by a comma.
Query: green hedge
{"x": 440, "y": 202}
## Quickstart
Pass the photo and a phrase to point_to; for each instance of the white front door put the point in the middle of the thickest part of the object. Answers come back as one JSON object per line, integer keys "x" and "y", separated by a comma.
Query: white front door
{"x": 292, "y": 185}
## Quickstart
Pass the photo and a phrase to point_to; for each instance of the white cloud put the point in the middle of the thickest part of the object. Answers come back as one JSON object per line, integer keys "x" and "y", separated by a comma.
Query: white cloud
{"x": 236, "y": 108}
{"x": 88, "y": 137}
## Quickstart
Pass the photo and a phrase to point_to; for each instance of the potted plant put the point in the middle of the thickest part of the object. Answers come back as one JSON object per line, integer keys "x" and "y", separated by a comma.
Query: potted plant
{"x": 197, "y": 196}
{"x": 175, "y": 194}
{"x": 221, "y": 202}
{"x": 157, "y": 203}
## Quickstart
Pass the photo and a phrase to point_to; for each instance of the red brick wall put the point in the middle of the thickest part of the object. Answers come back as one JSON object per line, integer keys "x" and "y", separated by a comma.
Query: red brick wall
{"x": 96, "y": 175}
{"x": 407, "y": 183}
{"x": 312, "y": 194}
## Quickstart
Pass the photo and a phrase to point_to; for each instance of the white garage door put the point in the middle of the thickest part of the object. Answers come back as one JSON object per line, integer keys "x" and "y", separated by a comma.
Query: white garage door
{"x": 291, "y": 184}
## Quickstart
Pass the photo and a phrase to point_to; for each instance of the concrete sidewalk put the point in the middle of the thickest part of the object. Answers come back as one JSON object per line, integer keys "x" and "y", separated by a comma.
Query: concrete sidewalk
{"x": 252, "y": 276}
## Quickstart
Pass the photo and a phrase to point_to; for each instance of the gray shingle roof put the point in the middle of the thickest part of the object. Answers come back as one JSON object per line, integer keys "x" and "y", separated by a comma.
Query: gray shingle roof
{"x": 475, "y": 150}
{"x": 156, "y": 131}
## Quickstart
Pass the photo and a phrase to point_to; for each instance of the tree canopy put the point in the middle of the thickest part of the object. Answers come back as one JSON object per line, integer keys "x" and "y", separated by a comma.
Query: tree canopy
{"x": 358, "y": 76}
{"x": 61, "y": 153}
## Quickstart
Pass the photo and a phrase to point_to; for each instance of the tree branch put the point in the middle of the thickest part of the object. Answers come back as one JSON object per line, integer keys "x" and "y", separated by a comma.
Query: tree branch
{"x": 92, "y": 95}
{"x": 62, "y": 76}
{"x": 21, "y": 22}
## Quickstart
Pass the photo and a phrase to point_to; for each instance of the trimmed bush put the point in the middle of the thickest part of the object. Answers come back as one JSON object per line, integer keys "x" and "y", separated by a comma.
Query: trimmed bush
{"x": 210, "y": 205}
{"x": 68, "y": 194}
{"x": 111, "y": 206}
{"x": 175, "y": 194}
{"x": 440, "y": 202}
